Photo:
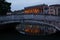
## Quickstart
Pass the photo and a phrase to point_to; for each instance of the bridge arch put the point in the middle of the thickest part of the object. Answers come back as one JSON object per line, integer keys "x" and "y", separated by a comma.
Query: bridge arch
{"x": 41, "y": 23}
{"x": 30, "y": 22}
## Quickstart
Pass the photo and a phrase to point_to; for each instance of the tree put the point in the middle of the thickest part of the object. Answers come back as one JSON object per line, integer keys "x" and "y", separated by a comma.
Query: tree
{"x": 4, "y": 7}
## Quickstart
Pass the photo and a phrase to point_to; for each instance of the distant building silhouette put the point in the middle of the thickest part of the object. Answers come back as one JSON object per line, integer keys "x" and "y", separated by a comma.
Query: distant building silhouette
{"x": 18, "y": 12}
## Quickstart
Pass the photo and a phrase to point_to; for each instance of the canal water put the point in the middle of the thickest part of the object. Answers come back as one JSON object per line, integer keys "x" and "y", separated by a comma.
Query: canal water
{"x": 50, "y": 37}
{"x": 14, "y": 35}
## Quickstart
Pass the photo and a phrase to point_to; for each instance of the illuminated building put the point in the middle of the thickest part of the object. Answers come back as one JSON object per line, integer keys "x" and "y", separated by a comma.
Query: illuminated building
{"x": 38, "y": 9}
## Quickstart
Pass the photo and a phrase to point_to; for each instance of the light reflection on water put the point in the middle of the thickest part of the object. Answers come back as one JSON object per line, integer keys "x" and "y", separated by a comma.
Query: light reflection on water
{"x": 45, "y": 29}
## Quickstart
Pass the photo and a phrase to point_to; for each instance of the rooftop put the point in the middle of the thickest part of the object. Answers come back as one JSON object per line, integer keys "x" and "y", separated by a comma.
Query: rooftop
{"x": 56, "y": 5}
{"x": 40, "y": 5}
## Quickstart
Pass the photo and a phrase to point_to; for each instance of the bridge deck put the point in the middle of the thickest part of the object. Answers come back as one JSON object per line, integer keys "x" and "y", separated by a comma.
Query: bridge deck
{"x": 32, "y": 17}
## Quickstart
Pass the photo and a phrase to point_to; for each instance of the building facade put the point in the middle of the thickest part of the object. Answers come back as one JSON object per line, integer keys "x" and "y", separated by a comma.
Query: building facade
{"x": 54, "y": 9}
{"x": 37, "y": 9}
{"x": 40, "y": 9}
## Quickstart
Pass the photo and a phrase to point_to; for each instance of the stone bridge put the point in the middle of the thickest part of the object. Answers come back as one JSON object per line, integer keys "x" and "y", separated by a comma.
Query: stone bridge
{"x": 42, "y": 19}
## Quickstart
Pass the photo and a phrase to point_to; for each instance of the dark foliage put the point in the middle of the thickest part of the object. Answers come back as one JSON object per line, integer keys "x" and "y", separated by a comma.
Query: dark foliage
{"x": 4, "y": 7}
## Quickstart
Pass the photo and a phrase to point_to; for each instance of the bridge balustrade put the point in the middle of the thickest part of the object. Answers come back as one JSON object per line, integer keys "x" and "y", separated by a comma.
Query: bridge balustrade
{"x": 29, "y": 17}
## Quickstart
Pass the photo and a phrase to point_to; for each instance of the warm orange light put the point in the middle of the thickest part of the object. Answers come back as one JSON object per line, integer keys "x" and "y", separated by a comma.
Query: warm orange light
{"x": 36, "y": 30}
{"x": 27, "y": 29}
{"x": 34, "y": 10}
{"x": 33, "y": 31}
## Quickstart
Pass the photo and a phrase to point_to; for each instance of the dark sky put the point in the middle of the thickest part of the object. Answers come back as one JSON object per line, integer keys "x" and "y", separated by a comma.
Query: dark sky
{"x": 20, "y": 4}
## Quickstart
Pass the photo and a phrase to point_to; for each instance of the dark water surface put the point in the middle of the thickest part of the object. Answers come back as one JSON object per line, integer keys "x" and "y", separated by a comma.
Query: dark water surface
{"x": 7, "y": 35}
{"x": 14, "y": 35}
{"x": 55, "y": 36}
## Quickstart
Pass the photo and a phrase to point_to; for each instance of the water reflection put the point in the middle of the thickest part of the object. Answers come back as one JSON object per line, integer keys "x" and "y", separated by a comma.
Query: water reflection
{"x": 35, "y": 29}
